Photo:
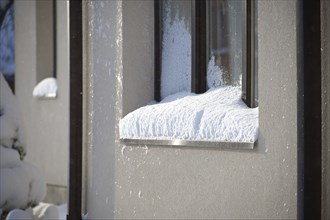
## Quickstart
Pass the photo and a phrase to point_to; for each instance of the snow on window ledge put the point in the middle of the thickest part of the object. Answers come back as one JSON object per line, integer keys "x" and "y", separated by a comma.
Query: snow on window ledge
{"x": 46, "y": 89}
{"x": 217, "y": 118}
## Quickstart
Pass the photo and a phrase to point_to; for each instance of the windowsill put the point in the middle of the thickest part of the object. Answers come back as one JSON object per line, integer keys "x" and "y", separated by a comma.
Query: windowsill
{"x": 50, "y": 96}
{"x": 216, "y": 118}
{"x": 225, "y": 145}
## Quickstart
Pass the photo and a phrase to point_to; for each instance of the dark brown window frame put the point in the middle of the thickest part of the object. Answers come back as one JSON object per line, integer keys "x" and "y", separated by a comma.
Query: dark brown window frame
{"x": 199, "y": 48}
{"x": 310, "y": 121}
{"x": 54, "y": 39}
{"x": 76, "y": 108}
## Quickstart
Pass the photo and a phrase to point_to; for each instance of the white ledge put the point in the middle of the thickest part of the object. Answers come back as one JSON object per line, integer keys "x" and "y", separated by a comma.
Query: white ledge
{"x": 192, "y": 143}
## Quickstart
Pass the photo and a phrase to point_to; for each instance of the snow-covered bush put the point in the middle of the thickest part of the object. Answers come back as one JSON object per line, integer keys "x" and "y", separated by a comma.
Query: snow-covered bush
{"x": 21, "y": 184}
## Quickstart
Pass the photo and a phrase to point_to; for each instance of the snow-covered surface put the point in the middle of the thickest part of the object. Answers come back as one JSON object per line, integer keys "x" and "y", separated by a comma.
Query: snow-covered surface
{"x": 22, "y": 185}
{"x": 11, "y": 135}
{"x": 217, "y": 115}
{"x": 63, "y": 211}
{"x": 47, "y": 88}
{"x": 7, "y": 42}
{"x": 176, "y": 54}
{"x": 46, "y": 211}
{"x": 43, "y": 211}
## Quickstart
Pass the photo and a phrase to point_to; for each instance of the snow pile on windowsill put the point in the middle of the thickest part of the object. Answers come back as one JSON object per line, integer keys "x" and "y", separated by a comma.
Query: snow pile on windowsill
{"x": 47, "y": 88}
{"x": 217, "y": 115}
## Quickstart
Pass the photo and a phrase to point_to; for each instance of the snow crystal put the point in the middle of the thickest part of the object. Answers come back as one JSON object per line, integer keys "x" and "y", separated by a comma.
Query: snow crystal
{"x": 176, "y": 54}
{"x": 47, "y": 88}
{"x": 218, "y": 115}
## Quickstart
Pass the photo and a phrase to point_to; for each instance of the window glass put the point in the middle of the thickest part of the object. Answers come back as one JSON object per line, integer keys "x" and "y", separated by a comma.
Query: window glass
{"x": 176, "y": 47}
{"x": 224, "y": 36}
{"x": 46, "y": 42}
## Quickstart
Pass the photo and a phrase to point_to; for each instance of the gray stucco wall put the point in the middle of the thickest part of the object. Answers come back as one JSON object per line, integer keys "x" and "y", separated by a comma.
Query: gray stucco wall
{"x": 46, "y": 122}
{"x": 162, "y": 183}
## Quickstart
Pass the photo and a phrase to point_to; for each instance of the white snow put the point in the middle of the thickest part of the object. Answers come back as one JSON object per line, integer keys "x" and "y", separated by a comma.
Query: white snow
{"x": 43, "y": 211}
{"x": 218, "y": 115}
{"x": 63, "y": 211}
{"x": 46, "y": 211}
{"x": 11, "y": 135}
{"x": 18, "y": 214}
{"x": 9, "y": 158}
{"x": 47, "y": 88}
{"x": 22, "y": 185}
{"x": 176, "y": 54}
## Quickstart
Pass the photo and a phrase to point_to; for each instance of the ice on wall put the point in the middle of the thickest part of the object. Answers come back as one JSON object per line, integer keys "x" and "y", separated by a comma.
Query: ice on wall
{"x": 219, "y": 114}
{"x": 7, "y": 43}
{"x": 176, "y": 53}
{"x": 46, "y": 88}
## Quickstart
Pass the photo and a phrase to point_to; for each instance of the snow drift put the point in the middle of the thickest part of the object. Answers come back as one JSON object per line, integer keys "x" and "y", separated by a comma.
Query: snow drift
{"x": 218, "y": 115}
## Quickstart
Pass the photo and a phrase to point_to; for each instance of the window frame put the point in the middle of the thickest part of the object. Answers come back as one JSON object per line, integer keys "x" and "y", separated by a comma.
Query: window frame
{"x": 199, "y": 50}
{"x": 43, "y": 8}
{"x": 198, "y": 81}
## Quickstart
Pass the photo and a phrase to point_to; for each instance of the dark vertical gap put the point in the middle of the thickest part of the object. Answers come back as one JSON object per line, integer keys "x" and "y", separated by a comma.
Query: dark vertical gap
{"x": 54, "y": 39}
{"x": 300, "y": 113}
{"x": 75, "y": 164}
{"x": 158, "y": 45}
{"x": 309, "y": 105}
{"x": 250, "y": 70}
{"x": 198, "y": 37}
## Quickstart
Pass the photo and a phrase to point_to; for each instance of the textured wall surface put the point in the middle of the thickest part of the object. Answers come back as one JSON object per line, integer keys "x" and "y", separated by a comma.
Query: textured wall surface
{"x": 46, "y": 121}
{"x": 157, "y": 182}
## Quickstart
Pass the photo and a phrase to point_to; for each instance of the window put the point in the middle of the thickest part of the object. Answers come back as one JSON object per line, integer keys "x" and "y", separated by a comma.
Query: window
{"x": 200, "y": 44}
{"x": 204, "y": 48}
{"x": 46, "y": 40}
{"x": 46, "y": 50}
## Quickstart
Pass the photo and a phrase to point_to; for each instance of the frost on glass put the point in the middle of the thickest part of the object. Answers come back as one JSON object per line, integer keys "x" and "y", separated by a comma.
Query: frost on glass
{"x": 225, "y": 31}
{"x": 176, "y": 48}
{"x": 215, "y": 75}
